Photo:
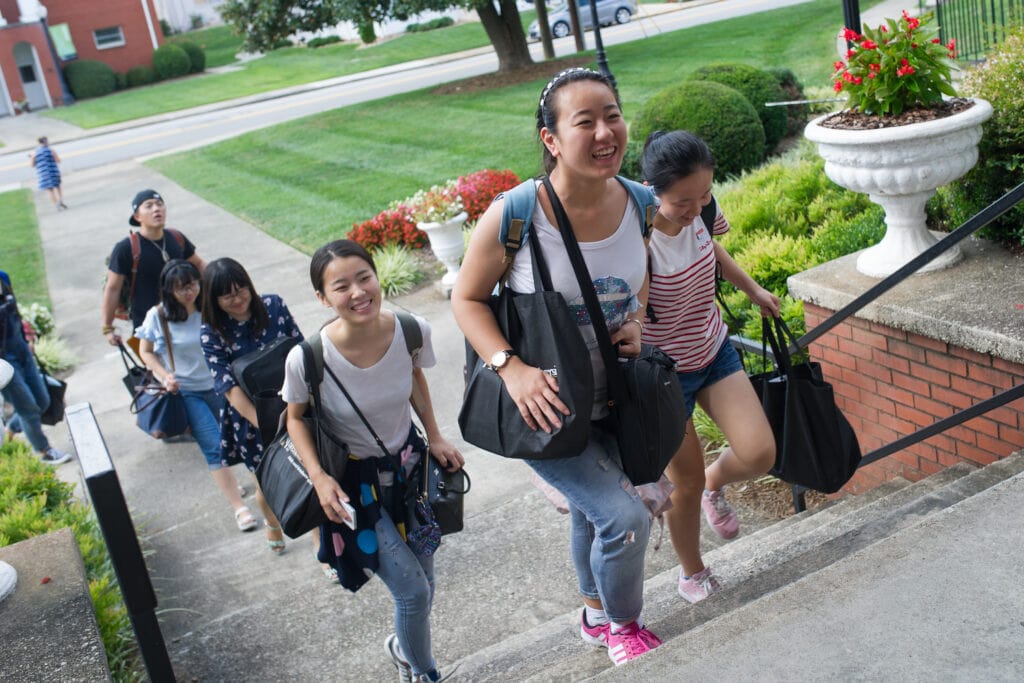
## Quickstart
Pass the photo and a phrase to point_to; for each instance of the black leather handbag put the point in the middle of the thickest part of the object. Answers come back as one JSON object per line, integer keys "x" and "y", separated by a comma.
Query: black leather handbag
{"x": 545, "y": 335}
{"x": 443, "y": 490}
{"x": 262, "y": 370}
{"x": 646, "y": 405}
{"x": 56, "y": 388}
{"x": 815, "y": 446}
{"x": 283, "y": 478}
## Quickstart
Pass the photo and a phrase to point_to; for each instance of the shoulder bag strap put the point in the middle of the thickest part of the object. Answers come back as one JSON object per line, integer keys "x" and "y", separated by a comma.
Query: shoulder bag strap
{"x": 348, "y": 396}
{"x": 310, "y": 352}
{"x": 412, "y": 333}
{"x": 167, "y": 335}
{"x": 579, "y": 266}
{"x": 136, "y": 247}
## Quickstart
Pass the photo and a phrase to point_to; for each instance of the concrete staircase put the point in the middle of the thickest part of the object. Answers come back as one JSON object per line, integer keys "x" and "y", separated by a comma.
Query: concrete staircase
{"x": 797, "y": 565}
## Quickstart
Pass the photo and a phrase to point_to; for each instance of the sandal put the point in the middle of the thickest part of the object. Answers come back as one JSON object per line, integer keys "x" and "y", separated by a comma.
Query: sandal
{"x": 330, "y": 573}
{"x": 275, "y": 546}
{"x": 244, "y": 519}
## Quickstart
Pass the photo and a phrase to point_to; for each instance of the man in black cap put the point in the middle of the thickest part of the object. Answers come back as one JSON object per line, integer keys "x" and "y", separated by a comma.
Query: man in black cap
{"x": 136, "y": 263}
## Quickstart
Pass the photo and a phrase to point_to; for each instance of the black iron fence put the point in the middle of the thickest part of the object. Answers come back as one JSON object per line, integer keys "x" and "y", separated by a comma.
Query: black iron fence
{"x": 976, "y": 25}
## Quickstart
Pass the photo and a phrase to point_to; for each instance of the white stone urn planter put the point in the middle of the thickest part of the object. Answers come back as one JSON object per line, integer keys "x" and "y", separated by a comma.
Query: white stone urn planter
{"x": 8, "y": 580}
{"x": 900, "y": 168}
{"x": 448, "y": 245}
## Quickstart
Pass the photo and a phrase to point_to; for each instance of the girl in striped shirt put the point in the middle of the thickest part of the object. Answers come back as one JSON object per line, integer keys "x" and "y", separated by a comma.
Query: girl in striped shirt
{"x": 679, "y": 168}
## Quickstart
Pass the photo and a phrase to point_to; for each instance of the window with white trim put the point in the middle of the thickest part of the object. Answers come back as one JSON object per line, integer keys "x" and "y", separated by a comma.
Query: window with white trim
{"x": 108, "y": 37}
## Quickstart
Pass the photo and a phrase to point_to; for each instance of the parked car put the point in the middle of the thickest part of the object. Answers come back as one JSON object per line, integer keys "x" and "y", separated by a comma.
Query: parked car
{"x": 608, "y": 12}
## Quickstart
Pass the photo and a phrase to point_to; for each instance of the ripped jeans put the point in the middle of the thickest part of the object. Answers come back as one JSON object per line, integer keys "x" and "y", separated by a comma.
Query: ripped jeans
{"x": 610, "y": 526}
{"x": 410, "y": 578}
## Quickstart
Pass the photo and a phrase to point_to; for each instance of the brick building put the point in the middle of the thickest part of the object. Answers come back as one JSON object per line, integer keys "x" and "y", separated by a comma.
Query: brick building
{"x": 38, "y": 37}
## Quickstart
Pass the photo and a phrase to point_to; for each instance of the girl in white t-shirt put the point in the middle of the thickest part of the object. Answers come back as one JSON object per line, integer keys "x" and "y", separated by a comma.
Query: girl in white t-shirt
{"x": 365, "y": 349}
{"x": 679, "y": 168}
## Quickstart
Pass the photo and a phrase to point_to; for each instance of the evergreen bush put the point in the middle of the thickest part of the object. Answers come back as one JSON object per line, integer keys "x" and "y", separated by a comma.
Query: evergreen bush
{"x": 88, "y": 78}
{"x": 796, "y": 114}
{"x": 758, "y": 87}
{"x": 439, "y": 22}
{"x": 717, "y": 113}
{"x": 631, "y": 160}
{"x": 325, "y": 40}
{"x": 196, "y": 56}
{"x": 140, "y": 75}
{"x": 171, "y": 61}
{"x": 1000, "y": 80}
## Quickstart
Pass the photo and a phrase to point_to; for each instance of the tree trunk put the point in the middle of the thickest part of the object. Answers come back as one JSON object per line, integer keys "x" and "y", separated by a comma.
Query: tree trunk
{"x": 505, "y": 31}
{"x": 545, "y": 29}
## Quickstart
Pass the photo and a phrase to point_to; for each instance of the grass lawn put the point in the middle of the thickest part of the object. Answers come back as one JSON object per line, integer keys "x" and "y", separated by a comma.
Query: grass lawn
{"x": 277, "y": 69}
{"x": 21, "y": 249}
{"x": 219, "y": 42}
{"x": 308, "y": 181}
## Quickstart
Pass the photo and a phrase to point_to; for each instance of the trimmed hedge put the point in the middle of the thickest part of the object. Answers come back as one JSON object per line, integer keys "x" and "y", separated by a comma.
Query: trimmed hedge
{"x": 758, "y": 87}
{"x": 797, "y": 115}
{"x": 439, "y": 22}
{"x": 326, "y": 40}
{"x": 171, "y": 61}
{"x": 88, "y": 78}
{"x": 140, "y": 75}
{"x": 717, "y": 113}
{"x": 196, "y": 56}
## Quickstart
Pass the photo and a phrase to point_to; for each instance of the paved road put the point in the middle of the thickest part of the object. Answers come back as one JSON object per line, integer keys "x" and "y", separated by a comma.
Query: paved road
{"x": 205, "y": 125}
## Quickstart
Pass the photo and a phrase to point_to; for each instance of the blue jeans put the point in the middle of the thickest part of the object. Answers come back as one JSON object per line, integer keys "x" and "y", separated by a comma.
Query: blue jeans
{"x": 410, "y": 578}
{"x": 610, "y": 525}
{"x": 203, "y": 410}
{"x": 29, "y": 397}
{"x": 726, "y": 362}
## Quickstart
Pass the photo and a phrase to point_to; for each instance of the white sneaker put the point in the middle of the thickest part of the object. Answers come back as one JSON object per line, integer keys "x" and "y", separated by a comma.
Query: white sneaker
{"x": 54, "y": 457}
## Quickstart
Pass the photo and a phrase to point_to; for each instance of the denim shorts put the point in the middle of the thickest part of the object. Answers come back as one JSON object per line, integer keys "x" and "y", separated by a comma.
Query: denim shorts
{"x": 725, "y": 363}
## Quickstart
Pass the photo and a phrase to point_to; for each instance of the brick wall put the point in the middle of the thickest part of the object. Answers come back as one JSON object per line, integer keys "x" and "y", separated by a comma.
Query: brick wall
{"x": 889, "y": 383}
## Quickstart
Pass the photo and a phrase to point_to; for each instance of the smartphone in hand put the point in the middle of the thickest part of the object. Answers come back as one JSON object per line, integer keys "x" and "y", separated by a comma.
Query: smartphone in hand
{"x": 351, "y": 511}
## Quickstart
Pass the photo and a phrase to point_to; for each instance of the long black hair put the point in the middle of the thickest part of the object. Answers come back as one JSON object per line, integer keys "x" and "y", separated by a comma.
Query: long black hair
{"x": 330, "y": 251}
{"x": 668, "y": 157}
{"x": 177, "y": 273}
{"x": 547, "y": 112}
{"x": 220, "y": 277}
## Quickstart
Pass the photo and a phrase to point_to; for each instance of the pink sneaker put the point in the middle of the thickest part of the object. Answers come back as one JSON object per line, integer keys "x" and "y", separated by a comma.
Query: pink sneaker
{"x": 699, "y": 586}
{"x": 720, "y": 515}
{"x": 629, "y": 643}
{"x": 594, "y": 635}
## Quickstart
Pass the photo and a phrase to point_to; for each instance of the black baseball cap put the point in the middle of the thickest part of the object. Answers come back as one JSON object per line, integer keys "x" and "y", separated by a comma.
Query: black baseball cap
{"x": 137, "y": 202}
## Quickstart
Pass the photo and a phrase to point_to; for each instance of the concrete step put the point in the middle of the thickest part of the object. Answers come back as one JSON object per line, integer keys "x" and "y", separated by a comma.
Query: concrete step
{"x": 894, "y": 609}
{"x": 750, "y": 568}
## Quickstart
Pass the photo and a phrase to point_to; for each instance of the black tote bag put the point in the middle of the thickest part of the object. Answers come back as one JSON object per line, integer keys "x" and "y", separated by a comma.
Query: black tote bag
{"x": 56, "y": 388}
{"x": 544, "y": 334}
{"x": 815, "y": 446}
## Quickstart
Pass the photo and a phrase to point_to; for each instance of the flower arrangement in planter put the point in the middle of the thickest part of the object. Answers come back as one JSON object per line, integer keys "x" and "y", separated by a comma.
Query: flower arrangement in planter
{"x": 897, "y": 67}
{"x": 899, "y": 140}
{"x": 439, "y": 204}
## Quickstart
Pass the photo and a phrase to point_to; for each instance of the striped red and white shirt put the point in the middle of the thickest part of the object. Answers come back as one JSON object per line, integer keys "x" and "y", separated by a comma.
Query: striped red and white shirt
{"x": 682, "y": 293}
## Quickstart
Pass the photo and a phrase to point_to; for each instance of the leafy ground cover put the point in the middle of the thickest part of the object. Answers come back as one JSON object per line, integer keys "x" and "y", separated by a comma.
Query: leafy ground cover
{"x": 21, "y": 249}
{"x": 278, "y": 69}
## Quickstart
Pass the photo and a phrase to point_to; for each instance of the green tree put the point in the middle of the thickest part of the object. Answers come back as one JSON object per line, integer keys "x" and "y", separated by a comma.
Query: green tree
{"x": 267, "y": 22}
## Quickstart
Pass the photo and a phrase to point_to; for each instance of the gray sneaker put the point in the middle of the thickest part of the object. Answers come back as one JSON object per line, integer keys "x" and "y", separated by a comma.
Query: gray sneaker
{"x": 404, "y": 670}
{"x": 54, "y": 457}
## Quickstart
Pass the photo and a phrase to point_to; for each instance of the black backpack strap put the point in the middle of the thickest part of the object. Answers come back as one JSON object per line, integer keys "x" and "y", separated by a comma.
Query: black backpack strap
{"x": 412, "y": 333}
{"x": 313, "y": 356}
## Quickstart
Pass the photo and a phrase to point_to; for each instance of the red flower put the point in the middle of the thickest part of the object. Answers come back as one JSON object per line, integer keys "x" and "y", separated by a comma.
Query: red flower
{"x": 904, "y": 62}
{"x": 936, "y": 41}
{"x": 838, "y": 65}
{"x": 905, "y": 70}
{"x": 869, "y": 45}
{"x": 857, "y": 80}
{"x": 850, "y": 34}
{"x": 875, "y": 66}
{"x": 883, "y": 28}
{"x": 851, "y": 53}
{"x": 871, "y": 75}
{"x": 837, "y": 86}
{"x": 951, "y": 45}
{"x": 913, "y": 46}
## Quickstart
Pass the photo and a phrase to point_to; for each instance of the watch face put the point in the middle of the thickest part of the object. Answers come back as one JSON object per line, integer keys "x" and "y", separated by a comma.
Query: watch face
{"x": 499, "y": 359}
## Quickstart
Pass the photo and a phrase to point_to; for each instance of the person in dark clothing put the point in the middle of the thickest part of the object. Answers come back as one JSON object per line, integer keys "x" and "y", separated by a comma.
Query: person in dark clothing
{"x": 157, "y": 245}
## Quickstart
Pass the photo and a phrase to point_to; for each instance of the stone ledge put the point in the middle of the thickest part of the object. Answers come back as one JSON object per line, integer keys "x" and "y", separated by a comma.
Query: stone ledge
{"x": 977, "y": 304}
{"x": 48, "y": 630}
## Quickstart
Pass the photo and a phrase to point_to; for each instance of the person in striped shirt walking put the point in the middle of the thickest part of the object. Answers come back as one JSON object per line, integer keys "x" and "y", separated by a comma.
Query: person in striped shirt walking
{"x": 45, "y": 160}
{"x": 688, "y": 326}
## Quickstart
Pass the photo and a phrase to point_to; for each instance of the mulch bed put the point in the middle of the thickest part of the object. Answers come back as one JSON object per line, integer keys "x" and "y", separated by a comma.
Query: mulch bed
{"x": 853, "y": 120}
{"x": 500, "y": 79}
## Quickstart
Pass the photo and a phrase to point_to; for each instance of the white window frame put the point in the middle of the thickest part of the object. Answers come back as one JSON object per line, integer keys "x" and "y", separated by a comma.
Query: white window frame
{"x": 108, "y": 44}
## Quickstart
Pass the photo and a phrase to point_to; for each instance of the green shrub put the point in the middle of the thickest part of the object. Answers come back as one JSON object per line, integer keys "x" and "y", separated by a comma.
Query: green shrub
{"x": 838, "y": 237}
{"x": 88, "y": 78}
{"x": 120, "y": 80}
{"x": 439, "y": 22}
{"x": 631, "y": 160}
{"x": 758, "y": 87}
{"x": 717, "y": 113}
{"x": 281, "y": 43}
{"x": 196, "y": 56}
{"x": 165, "y": 28}
{"x": 1000, "y": 80}
{"x": 170, "y": 61}
{"x": 55, "y": 354}
{"x": 326, "y": 40}
{"x": 397, "y": 269}
{"x": 34, "y": 501}
{"x": 141, "y": 75}
{"x": 770, "y": 259}
{"x": 367, "y": 34}
{"x": 796, "y": 114}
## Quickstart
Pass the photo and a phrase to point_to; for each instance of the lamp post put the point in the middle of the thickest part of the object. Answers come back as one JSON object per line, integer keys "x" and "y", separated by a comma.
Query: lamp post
{"x": 602, "y": 61}
{"x": 851, "y": 15}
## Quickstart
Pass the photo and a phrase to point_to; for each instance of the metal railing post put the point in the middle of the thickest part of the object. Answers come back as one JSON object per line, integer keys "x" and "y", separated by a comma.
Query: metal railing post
{"x": 119, "y": 533}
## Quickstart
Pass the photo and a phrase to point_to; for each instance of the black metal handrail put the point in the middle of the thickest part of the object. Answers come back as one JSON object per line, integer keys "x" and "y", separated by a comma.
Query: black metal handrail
{"x": 977, "y": 25}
